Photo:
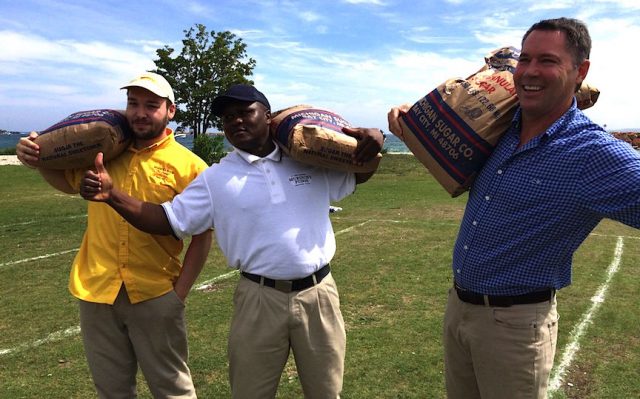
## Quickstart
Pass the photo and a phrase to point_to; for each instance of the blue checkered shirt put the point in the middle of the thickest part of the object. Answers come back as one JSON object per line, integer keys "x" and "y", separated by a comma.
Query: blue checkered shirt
{"x": 531, "y": 207}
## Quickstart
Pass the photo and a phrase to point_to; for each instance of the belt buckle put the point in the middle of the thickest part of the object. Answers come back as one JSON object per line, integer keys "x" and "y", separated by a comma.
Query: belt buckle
{"x": 285, "y": 286}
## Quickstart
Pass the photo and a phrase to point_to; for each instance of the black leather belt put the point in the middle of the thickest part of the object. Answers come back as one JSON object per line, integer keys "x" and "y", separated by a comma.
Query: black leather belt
{"x": 290, "y": 285}
{"x": 504, "y": 301}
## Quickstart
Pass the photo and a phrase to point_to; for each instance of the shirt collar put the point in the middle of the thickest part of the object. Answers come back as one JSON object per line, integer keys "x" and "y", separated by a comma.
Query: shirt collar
{"x": 275, "y": 155}
{"x": 558, "y": 125}
{"x": 169, "y": 137}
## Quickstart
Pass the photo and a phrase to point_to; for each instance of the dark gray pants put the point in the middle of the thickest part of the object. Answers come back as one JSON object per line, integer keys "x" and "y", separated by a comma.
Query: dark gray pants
{"x": 152, "y": 334}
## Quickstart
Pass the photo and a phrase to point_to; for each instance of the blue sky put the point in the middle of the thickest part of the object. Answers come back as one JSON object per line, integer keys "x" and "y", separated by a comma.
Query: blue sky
{"x": 355, "y": 57}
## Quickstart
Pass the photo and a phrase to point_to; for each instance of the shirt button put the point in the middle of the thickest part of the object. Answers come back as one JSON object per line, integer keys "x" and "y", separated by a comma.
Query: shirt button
{"x": 458, "y": 271}
{"x": 499, "y": 171}
{"x": 486, "y": 197}
{"x": 475, "y": 223}
{"x": 466, "y": 247}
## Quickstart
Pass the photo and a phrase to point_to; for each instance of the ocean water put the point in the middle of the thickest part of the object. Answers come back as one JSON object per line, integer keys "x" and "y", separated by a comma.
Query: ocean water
{"x": 392, "y": 144}
{"x": 9, "y": 140}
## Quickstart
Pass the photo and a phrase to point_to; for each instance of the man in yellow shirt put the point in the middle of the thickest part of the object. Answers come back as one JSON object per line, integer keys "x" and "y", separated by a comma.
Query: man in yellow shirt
{"x": 131, "y": 285}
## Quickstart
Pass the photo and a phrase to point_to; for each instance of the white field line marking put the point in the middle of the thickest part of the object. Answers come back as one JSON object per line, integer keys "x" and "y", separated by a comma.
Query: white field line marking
{"x": 38, "y": 221}
{"x": 15, "y": 262}
{"x": 611, "y": 236}
{"x": 59, "y": 335}
{"x": 209, "y": 283}
{"x": 348, "y": 229}
{"x": 574, "y": 345}
{"x": 55, "y": 336}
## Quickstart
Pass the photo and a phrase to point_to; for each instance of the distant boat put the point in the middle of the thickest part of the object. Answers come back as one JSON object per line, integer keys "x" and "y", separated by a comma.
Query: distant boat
{"x": 180, "y": 135}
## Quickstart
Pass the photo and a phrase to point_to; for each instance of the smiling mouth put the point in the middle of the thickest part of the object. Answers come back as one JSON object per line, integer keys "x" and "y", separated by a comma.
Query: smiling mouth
{"x": 531, "y": 88}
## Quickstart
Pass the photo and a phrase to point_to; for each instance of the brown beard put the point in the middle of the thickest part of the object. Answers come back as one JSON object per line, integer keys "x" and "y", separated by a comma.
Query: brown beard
{"x": 153, "y": 133}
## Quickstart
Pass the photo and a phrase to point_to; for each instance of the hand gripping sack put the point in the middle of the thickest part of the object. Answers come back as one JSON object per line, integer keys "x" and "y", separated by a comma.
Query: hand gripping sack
{"x": 75, "y": 141}
{"x": 314, "y": 136}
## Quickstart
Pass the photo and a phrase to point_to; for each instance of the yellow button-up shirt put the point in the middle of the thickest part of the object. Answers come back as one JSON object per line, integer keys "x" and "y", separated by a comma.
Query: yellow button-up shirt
{"x": 114, "y": 252}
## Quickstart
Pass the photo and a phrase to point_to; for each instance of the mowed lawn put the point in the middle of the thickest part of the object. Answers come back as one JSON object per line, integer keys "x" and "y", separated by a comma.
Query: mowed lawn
{"x": 395, "y": 236}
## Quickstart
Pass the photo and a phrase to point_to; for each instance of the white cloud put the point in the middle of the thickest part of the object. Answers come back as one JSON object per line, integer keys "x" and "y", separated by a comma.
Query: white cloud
{"x": 613, "y": 69}
{"x": 309, "y": 16}
{"x": 67, "y": 75}
{"x": 551, "y": 5}
{"x": 372, "y": 2}
{"x": 426, "y": 35}
{"x": 629, "y": 5}
{"x": 357, "y": 57}
{"x": 198, "y": 8}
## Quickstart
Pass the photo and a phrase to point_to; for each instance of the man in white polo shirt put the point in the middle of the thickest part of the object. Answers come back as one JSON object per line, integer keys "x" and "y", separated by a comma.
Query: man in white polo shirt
{"x": 271, "y": 219}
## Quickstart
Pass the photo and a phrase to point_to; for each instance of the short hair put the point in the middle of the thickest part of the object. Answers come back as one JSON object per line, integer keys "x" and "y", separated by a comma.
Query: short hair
{"x": 576, "y": 32}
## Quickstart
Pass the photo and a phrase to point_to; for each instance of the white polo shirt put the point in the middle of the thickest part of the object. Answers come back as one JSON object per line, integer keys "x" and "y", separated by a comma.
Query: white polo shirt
{"x": 270, "y": 215}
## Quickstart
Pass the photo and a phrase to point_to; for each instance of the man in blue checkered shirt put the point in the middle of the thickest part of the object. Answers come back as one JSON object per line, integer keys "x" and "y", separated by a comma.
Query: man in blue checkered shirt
{"x": 552, "y": 178}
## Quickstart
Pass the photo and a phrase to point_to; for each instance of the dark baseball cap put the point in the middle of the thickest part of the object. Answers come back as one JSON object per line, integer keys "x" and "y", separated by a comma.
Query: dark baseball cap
{"x": 238, "y": 92}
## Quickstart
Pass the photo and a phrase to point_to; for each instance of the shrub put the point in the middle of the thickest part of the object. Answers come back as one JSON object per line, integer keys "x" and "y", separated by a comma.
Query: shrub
{"x": 209, "y": 147}
{"x": 8, "y": 151}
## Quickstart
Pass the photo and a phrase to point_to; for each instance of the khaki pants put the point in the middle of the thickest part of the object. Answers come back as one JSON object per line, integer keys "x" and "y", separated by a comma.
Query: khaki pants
{"x": 498, "y": 353}
{"x": 152, "y": 334}
{"x": 268, "y": 323}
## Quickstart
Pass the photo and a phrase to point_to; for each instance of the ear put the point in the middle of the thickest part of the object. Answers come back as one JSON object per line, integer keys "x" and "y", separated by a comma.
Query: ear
{"x": 583, "y": 68}
{"x": 267, "y": 114}
{"x": 171, "y": 110}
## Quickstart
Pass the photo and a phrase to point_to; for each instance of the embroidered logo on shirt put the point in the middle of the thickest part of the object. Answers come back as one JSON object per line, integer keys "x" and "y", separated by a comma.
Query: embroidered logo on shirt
{"x": 300, "y": 179}
{"x": 162, "y": 175}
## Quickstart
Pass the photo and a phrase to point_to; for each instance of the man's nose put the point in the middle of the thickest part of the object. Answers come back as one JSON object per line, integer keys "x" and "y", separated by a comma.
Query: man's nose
{"x": 234, "y": 118}
{"x": 533, "y": 68}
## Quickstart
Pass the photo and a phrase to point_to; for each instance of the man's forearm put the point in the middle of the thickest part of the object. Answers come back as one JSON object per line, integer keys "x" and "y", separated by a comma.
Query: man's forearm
{"x": 194, "y": 260}
{"x": 144, "y": 216}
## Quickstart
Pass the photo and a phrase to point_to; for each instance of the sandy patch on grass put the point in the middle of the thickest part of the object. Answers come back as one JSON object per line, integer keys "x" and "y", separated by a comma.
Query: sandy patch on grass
{"x": 9, "y": 160}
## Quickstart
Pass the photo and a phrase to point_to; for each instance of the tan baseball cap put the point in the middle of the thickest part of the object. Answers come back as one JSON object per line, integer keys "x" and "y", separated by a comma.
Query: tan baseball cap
{"x": 154, "y": 83}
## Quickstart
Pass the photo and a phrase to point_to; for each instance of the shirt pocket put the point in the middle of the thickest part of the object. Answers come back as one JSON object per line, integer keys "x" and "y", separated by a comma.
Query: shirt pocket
{"x": 159, "y": 193}
{"x": 532, "y": 190}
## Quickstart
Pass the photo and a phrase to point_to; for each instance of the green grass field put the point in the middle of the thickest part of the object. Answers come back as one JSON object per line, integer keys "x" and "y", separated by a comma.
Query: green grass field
{"x": 395, "y": 237}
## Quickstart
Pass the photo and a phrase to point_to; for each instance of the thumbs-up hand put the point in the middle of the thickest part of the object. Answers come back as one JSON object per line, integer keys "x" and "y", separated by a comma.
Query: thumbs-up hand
{"x": 96, "y": 184}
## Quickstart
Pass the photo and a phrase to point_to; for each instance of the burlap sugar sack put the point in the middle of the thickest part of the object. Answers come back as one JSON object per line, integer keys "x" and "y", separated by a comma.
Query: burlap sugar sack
{"x": 75, "y": 141}
{"x": 314, "y": 136}
{"x": 587, "y": 96}
{"x": 453, "y": 129}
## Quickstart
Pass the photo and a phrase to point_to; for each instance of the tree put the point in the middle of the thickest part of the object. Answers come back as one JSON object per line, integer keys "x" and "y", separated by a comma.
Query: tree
{"x": 208, "y": 64}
